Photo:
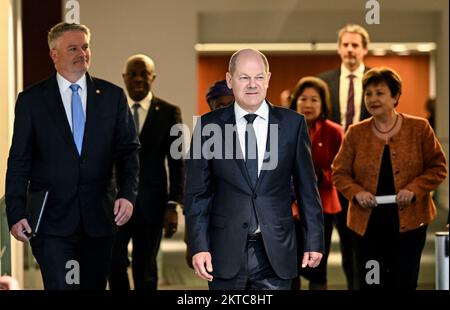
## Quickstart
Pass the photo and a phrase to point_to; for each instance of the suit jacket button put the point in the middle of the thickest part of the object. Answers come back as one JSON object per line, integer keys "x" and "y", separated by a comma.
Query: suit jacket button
{"x": 245, "y": 225}
{"x": 254, "y": 196}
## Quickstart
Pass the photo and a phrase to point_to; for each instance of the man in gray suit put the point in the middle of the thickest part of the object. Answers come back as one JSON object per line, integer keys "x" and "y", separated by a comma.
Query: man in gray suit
{"x": 238, "y": 210}
{"x": 345, "y": 85}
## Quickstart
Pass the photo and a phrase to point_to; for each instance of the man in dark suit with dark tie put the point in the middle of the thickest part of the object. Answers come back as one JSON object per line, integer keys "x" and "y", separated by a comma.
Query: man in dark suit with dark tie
{"x": 69, "y": 132}
{"x": 237, "y": 203}
{"x": 345, "y": 85}
{"x": 160, "y": 191}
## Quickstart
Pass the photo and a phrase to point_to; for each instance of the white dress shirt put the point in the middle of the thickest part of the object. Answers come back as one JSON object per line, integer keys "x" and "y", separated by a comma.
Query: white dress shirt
{"x": 66, "y": 95}
{"x": 260, "y": 124}
{"x": 143, "y": 110}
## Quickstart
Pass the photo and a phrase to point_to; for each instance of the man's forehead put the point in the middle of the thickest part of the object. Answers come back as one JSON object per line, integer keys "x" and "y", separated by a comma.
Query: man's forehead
{"x": 250, "y": 66}
{"x": 72, "y": 37}
{"x": 72, "y": 33}
{"x": 139, "y": 64}
{"x": 351, "y": 36}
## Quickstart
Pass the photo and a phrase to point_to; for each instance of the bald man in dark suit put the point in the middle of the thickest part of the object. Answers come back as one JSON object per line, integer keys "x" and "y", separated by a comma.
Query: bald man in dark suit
{"x": 238, "y": 208}
{"x": 160, "y": 189}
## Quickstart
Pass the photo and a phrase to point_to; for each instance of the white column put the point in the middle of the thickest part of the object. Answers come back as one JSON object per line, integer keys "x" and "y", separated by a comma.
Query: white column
{"x": 442, "y": 98}
{"x": 9, "y": 85}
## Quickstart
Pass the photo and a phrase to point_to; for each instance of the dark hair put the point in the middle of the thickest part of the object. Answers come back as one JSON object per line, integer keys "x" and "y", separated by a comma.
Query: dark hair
{"x": 218, "y": 89}
{"x": 378, "y": 75}
{"x": 320, "y": 86}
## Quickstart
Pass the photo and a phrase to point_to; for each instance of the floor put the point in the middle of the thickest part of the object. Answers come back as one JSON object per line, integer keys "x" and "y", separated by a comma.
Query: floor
{"x": 176, "y": 275}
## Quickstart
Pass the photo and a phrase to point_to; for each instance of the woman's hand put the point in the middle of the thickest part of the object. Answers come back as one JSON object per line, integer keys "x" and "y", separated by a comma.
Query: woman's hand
{"x": 366, "y": 199}
{"x": 404, "y": 198}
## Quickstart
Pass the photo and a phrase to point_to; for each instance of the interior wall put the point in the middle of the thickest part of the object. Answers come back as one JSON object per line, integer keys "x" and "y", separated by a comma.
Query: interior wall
{"x": 4, "y": 90}
{"x": 300, "y": 24}
{"x": 442, "y": 97}
{"x": 37, "y": 21}
{"x": 288, "y": 69}
{"x": 9, "y": 16}
{"x": 167, "y": 30}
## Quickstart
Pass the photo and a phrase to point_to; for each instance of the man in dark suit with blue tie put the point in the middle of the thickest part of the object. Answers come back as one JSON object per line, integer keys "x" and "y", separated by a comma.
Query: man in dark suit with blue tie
{"x": 345, "y": 85}
{"x": 69, "y": 132}
{"x": 160, "y": 189}
{"x": 237, "y": 203}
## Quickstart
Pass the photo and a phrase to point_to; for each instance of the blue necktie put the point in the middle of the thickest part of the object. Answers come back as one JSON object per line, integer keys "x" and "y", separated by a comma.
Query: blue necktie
{"x": 77, "y": 117}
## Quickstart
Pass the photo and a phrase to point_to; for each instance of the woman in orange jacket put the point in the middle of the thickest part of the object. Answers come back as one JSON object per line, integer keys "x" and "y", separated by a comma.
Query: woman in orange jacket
{"x": 395, "y": 155}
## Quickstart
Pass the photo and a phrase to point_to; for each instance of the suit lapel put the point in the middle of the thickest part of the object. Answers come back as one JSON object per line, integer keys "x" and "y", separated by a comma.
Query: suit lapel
{"x": 274, "y": 119}
{"x": 91, "y": 110}
{"x": 364, "y": 113}
{"x": 56, "y": 108}
{"x": 229, "y": 118}
{"x": 151, "y": 116}
{"x": 334, "y": 89}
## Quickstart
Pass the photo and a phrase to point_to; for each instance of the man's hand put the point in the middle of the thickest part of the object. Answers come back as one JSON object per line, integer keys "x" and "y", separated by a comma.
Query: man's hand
{"x": 199, "y": 261}
{"x": 123, "y": 209}
{"x": 20, "y": 230}
{"x": 8, "y": 283}
{"x": 170, "y": 220}
{"x": 311, "y": 259}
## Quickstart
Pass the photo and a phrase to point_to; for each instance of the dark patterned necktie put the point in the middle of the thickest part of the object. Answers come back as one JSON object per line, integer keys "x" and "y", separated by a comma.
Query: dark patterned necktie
{"x": 136, "y": 107}
{"x": 251, "y": 162}
{"x": 251, "y": 149}
{"x": 350, "y": 103}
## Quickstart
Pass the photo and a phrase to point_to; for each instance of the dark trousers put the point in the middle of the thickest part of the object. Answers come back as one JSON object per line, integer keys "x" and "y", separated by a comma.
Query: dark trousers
{"x": 74, "y": 262}
{"x": 397, "y": 257}
{"x": 346, "y": 244}
{"x": 146, "y": 238}
{"x": 255, "y": 273}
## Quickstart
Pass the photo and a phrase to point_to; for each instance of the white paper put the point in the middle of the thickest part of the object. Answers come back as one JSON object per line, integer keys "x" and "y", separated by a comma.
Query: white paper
{"x": 385, "y": 199}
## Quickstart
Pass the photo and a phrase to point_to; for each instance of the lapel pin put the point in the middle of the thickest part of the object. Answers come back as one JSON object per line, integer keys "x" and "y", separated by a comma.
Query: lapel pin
{"x": 97, "y": 91}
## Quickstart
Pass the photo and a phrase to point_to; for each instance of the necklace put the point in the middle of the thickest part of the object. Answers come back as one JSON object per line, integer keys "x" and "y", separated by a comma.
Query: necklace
{"x": 387, "y": 131}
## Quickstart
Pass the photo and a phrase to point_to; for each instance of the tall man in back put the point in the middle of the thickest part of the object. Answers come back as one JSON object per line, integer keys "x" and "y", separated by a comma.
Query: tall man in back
{"x": 238, "y": 208}
{"x": 345, "y": 85}
{"x": 69, "y": 132}
{"x": 156, "y": 204}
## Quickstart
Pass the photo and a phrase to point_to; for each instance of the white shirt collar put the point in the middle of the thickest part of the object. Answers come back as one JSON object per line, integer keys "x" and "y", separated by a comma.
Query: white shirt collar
{"x": 65, "y": 84}
{"x": 263, "y": 111}
{"x": 359, "y": 72}
{"x": 145, "y": 103}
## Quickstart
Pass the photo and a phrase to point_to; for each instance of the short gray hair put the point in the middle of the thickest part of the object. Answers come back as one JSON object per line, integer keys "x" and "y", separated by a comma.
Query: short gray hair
{"x": 59, "y": 29}
{"x": 234, "y": 57}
